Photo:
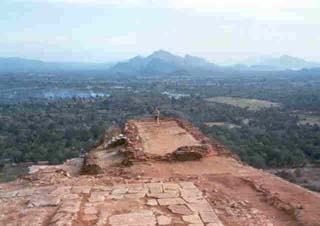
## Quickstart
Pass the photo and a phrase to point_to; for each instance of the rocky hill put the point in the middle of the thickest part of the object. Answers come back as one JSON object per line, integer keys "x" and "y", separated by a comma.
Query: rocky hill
{"x": 22, "y": 65}
{"x": 162, "y": 62}
{"x": 150, "y": 174}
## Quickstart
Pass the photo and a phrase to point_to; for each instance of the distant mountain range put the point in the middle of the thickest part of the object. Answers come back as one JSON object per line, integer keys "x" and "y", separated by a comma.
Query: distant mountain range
{"x": 162, "y": 62}
{"x": 283, "y": 62}
{"x": 15, "y": 65}
{"x": 158, "y": 63}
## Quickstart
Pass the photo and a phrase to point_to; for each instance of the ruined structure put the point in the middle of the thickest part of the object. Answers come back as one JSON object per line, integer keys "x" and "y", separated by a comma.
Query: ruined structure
{"x": 149, "y": 174}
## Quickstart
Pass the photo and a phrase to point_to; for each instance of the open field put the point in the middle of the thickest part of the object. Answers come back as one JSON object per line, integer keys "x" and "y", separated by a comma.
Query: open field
{"x": 309, "y": 119}
{"x": 222, "y": 124}
{"x": 251, "y": 104}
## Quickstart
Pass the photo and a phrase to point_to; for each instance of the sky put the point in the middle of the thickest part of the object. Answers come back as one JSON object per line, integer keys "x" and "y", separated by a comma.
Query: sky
{"x": 113, "y": 30}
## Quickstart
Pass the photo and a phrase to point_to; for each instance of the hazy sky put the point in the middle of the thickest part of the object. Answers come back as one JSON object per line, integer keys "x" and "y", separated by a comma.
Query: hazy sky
{"x": 108, "y": 30}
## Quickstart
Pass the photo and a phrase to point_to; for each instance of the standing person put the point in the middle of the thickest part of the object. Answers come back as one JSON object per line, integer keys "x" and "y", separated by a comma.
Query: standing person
{"x": 157, "y": 115}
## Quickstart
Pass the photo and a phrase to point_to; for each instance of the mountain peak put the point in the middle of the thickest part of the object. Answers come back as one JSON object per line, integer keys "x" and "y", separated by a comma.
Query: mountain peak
{"x": 163, "y": 62}
{"x": 161, "y": 54}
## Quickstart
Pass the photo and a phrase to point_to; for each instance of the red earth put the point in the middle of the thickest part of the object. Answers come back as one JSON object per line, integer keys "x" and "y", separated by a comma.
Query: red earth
{"x": 236, "y": 193}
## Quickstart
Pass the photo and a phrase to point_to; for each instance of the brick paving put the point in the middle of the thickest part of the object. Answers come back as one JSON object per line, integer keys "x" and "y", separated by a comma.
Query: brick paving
{"x": 125, "y": 204}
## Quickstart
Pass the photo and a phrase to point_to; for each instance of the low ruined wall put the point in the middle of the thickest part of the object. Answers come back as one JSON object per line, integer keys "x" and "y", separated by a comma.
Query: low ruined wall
{"x": 208, "y": 147}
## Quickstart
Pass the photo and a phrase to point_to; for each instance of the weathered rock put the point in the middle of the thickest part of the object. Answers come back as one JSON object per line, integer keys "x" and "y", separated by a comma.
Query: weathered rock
{"x": 103, "y": 218}
{"x": 119, "y": 191}
{"x": 152, "y": 202}
{"x": 163, "y": 220}
{"x": 60, "y": 191}
{"x": 180, "y": 209}
{"x": 62, "y": 219}
{"x": 188, "y": 153}
{"x": 71, "y": 206}
{"x": 89, "y": 217}
{"x": 200, "y": 207}
{"x": 116, "y": 196}
{"x": 90, "y": 210}
{"x": 209, "y": 217}
{"x": 43, "y": 200}
{"x": 193, "y": 195}
{"x": 194, "y": 219}
{"x": 8, "y": 194}
{"x": 136, "y": 218}
{"x": 33, "y": 217}
{"x": 25, "y": 192}
{"x": 215, "y": 224}
{"x": 170, "y": 201}
{"x": 70, "y": 196}
{"x": 188, "y": 185}
{"x": 170, "y": 187}
{"x": 164, "y": 195}
{"x": 155, "y": 188}
{"x": 81, "y": 190}
{"x": 98, "y": 196}
{"x": 134, "y": 195}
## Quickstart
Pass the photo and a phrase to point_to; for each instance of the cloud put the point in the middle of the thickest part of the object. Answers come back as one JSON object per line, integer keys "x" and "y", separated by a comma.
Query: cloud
{"x": 107, "y": 2}
{"x": 205, "y": 5}
{"x": 286, "y": 10}
{"x": 257, "y": 9}
{"x": 214, "y": 5}
{"x": 128, "y": 39}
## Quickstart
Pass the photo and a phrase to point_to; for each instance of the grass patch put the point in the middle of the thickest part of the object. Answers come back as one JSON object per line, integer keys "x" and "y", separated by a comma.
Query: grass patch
{"x": 222, "y": 124}
{"x": 309, "y": 119}
{"x": 251, "y": 104}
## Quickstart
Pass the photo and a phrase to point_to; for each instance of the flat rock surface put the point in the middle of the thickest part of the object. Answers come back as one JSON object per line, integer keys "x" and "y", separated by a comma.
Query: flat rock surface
{"x": 164, "y": 138}
{"x": 77, "y": 205}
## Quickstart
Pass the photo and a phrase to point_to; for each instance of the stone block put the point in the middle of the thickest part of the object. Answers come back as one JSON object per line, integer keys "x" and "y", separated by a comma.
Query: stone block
{"x": 98, "y": 196}
{"x": 171, "y": 187}
{"x": 215, "y": 224}
{"x": 155, "y": 187}
{"x": 115, "y": 196}
{"x": 164, "y": 220}
{"x": 89, "y": 217}
{"x": 72, "y": 206}
{"x": 170, "y": 201}
{"x": 81, "y": 190}
{"x": 163, "y": 195}
{"x": 133, "y": 219}
{"x": 90, "y": 210}
{"x": 194, "y": 219}
{"x": 200, "y": 207}
{"x": 180, "y": 209}
{"x": 43, "y": 200}
{"x": 119, "y": 191}
{"x": 134, "y": 195}
{"x": 152, "y": 202}
{"x": 187, "y": 185}
{"x": 10, "y": 194}
{"x": 62, "y": 219}
{"x": 25, "y": 192}
{"x": 209, "y": 217}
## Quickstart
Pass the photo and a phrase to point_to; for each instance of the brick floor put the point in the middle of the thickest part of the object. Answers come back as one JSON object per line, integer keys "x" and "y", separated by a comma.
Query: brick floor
{"x": 123, "y": 204}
